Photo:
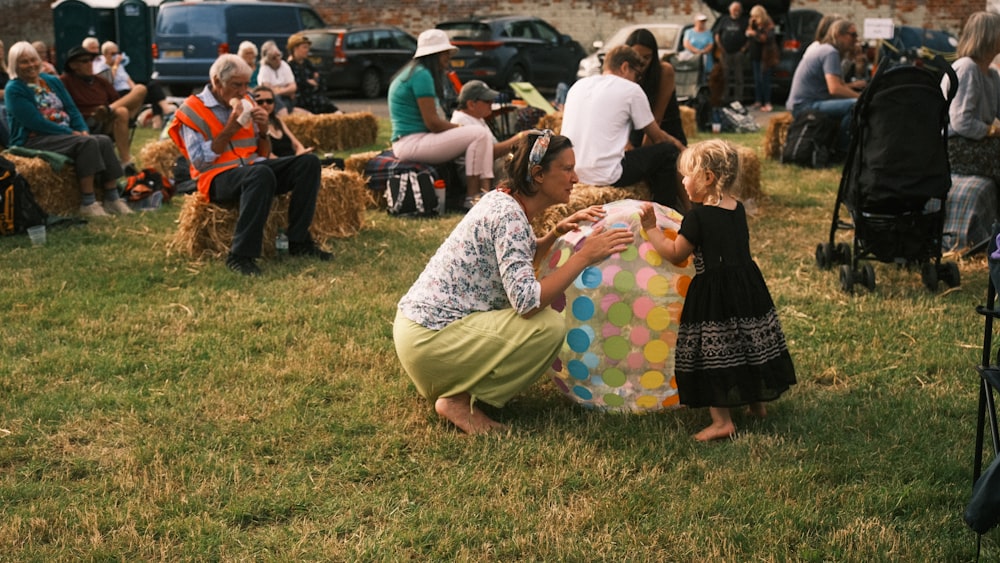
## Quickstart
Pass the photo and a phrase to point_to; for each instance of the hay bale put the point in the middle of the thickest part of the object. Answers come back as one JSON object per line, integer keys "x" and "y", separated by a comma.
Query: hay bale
{"x": 57, "y": 192}
{"x": 551, "y": 121}
{"x": 358, "y": 161}
{"x": 584, "y": 196}
{"x": 333, "y": 131}
{"x": 340, "y": 205}
{"x": 777, "y": 132}
{"x": 206, "y": 229}
{"x": 689, "y": 122}
{"x": 750, "y": 173}
{"x": 160, "y": 156}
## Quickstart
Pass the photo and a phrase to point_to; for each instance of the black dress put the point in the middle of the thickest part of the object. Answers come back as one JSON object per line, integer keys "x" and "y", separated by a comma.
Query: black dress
{"x": 730, "y": 347}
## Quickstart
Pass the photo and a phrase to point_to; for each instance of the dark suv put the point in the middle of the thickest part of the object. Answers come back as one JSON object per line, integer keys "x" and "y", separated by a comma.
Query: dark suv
{"x": 504, "y": 49}
{"x": 189, "y": 36}
{"x": 362, "y": 59}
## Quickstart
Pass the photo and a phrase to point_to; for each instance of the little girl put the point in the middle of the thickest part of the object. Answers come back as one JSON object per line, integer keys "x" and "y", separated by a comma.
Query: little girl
{"x": 730, "y": 347}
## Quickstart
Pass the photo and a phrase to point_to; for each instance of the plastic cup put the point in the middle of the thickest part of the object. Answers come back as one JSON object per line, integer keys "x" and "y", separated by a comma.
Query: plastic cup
{"x": 37, "y": 235}
{"x": 716, "y": 128}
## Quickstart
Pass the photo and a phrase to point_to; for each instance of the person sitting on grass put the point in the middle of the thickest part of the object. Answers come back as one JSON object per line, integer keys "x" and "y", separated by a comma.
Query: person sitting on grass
{"x": 228, "y": 152}
{"x": 102, "y": 108}
{"x": 476, "y": 325}
{"x": 42, "y": 116}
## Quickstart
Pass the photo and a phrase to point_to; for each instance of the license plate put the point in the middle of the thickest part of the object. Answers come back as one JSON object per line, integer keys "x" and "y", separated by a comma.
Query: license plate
{"x": 178, "y": 54}
{"x": 457, "y": 63}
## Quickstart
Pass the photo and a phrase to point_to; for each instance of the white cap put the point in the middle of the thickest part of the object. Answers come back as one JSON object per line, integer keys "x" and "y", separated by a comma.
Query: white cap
{"x": 700, "y": 17}
{"x": 433, "y": 41}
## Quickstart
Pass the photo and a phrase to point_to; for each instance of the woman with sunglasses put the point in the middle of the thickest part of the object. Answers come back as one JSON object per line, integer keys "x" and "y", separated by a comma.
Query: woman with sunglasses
{"x": 476, "y": 325}
{"x": 283, "y": 142}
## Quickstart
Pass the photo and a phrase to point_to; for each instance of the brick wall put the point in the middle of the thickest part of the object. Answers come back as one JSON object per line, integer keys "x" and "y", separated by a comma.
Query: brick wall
{"x": 585, "y": 20}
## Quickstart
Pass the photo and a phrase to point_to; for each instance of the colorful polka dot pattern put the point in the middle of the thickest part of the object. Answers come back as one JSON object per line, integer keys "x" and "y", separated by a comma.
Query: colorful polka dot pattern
{"x": 621, "y": 318}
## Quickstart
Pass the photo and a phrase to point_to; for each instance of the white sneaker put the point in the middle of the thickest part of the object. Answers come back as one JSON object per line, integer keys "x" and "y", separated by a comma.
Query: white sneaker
{"x": 92, "y": 210}
{"x": 117, "y": 207}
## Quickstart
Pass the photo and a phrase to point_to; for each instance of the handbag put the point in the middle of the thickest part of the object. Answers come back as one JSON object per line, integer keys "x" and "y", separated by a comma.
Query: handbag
{"x": 769, "y": 56}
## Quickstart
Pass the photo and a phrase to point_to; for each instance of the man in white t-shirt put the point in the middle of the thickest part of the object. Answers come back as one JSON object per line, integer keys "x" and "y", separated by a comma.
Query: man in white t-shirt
{"x": 600, "y": 113}
{"x": 475, "y": 104}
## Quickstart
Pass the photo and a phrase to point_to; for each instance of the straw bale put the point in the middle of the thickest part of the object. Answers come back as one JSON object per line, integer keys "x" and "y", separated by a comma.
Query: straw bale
{"x": 689, "y": 122}
{"x": 57, "y": 192}
{"x": 206, "y": 229}
{"x": 358, "y": 161}
{"x": 333, "y": 131}
{"x": 584, "y": 196}
{"x": 551, "y": 121}
{"x": 750, "y": 172}
{"x": 160, "y": 156}
{"x": 340, "y": 206}
{"x": 777, "y": 132}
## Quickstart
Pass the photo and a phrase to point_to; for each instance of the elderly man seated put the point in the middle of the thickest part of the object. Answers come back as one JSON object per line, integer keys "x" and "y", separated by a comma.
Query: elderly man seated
{"x": 223, "y": 134}
{"x": 103, "y": 109}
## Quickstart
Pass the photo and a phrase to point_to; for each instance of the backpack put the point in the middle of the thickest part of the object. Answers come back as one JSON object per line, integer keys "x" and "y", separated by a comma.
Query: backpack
{"x": 810, "y": 140}
{"x": 411, "y": 193}
{"x": 146, "y": 183}
{"x": 18, "y": 208}
{"x": 736, "y": 119}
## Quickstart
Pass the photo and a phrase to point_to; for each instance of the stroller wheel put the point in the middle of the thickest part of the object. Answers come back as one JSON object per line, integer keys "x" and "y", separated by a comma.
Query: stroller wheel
{"x": 847, "y": 279}
{"x": 824, "y": 256}
{"x": 950, "y": 274}
{"x": 929, "y": 275}
{"x": 844, "y": 253}
{"x": 868, "y": 276}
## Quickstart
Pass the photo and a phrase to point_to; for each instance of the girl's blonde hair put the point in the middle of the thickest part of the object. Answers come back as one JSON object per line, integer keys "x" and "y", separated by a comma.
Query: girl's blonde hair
{"x": 980, "y": 37}
{"x": 720, "y": 158}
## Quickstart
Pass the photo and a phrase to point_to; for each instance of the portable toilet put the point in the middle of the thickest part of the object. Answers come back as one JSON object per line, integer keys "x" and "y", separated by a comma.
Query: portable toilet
{"x": 134, "y": 21}
{"x": 75, "y": 20}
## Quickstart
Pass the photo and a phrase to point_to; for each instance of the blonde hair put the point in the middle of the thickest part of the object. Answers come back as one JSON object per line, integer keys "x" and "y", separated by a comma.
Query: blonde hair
{"x": 759, "y": 14}
{"x": 720, "y": 158}
{"x": 980, "y": 36}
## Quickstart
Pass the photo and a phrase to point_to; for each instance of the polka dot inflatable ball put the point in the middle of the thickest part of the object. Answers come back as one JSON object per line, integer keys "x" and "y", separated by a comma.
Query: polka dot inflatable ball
{"x": 621, "y": 316}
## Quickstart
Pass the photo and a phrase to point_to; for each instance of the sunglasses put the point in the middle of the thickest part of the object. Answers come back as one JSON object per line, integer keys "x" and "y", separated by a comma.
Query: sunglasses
{"x": 264, "y": 100}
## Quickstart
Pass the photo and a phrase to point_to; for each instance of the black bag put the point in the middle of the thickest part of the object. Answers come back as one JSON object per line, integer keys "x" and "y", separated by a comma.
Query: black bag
{"x": 736, "y": 119}
{"x": 810, "y": 140}
{"x": 983, "y": 511}
{"x": 183, "y": 184}
{"x": 411, "y": 193}
{"x": 147, "y": 182}
{"x": 18, "y": 208}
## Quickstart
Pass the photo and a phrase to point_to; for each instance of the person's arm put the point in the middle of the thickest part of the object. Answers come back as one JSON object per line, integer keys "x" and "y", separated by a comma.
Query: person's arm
{"x": 667, "y": 85}
{"x": 964, "y": 109}
{"x": 571, "y": 223}
{"x": 298, "y": 146}
{"x": 657, "y": 135}
{"x": 428, "y": 112}
{"x": 22, "y": 107}
{"x": 676, "y": 250}
{"x": 837, "y": 88}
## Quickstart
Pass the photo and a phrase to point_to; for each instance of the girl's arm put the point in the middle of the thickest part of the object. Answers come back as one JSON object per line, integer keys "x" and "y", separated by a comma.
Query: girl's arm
{"x": 676, "y": 250}
{"x": 667, "y": 86}
{"x": 298, "y": 146}
{"x": 433, "y": 121}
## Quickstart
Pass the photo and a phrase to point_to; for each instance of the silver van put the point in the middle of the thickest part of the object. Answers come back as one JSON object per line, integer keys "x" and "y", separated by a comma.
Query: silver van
{"x": 189, "y": 36}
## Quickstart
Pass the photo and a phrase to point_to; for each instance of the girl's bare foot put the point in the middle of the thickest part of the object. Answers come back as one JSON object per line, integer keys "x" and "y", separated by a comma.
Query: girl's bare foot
{"x": 459, "y": 410}
{"x": 716, "y": 432}
{"x": 757, "y": 409}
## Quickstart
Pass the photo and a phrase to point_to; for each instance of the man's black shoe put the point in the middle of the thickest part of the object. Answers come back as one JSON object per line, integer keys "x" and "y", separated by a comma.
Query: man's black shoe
{"x": 243, "y": 264}
{"x": 310, "y": 249}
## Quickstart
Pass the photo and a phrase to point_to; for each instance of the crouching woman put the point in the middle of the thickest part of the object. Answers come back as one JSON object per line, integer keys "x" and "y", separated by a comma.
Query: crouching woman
{"x": 476, "y": 325}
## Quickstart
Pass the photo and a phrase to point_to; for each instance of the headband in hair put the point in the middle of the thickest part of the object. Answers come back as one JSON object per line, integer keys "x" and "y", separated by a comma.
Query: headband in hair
{"x": 538, "y": 149}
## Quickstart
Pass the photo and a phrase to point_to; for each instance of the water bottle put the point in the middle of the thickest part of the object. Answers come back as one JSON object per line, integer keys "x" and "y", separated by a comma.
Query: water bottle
{"x": 281, "y": 243}
{"x": 440, "y": 190}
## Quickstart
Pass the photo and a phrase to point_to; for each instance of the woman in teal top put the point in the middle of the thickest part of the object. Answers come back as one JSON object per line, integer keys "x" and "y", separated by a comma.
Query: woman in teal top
{"x": 420, "y": 132}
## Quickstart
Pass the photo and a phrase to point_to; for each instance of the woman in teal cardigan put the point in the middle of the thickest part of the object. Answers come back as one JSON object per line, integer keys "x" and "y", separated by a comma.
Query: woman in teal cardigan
{"x": 42, "y": 116}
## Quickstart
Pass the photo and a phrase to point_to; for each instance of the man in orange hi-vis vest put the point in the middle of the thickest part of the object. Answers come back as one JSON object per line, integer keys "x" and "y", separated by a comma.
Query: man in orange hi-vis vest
{"x": 223, "y": 134}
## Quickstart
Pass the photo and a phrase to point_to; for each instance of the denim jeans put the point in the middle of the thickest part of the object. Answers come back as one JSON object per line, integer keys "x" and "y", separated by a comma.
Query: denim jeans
{"x": 835, "y": 108}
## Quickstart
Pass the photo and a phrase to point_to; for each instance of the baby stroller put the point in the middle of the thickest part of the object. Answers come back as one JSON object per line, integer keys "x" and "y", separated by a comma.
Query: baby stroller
{"x": 896, "y": 178}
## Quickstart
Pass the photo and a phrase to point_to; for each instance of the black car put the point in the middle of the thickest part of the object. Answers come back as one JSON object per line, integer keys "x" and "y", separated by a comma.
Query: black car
{"x": 504, "y": 49}
{"x": 361, "y": 59}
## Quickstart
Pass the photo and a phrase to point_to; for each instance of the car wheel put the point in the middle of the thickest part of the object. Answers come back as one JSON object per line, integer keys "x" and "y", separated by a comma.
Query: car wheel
{"x": 371, "y": 84}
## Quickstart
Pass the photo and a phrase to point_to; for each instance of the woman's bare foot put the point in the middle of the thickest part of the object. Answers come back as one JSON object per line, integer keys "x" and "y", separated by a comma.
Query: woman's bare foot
{"x": 757, "y": 409}
{"x": 459, "y": 410}
{"x": 716, "y": 432}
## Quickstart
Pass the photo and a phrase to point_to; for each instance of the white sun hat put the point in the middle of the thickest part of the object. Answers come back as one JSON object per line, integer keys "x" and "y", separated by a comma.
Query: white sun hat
{"x": 433, "y": 41}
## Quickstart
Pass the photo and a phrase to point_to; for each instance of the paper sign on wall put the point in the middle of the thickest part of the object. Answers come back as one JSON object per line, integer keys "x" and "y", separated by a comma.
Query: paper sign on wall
{"x": 878, "y": 28}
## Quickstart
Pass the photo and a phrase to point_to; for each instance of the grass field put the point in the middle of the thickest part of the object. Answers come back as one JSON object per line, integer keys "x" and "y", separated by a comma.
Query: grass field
{"x": 155, "y": 408}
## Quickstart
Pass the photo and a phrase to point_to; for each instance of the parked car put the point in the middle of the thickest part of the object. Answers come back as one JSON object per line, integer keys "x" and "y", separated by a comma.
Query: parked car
{"x": 362, "y": 59}
{"x": 502, "y": 49}
{"x": 668, "y": 39}
{"x": 189, "y": 36}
